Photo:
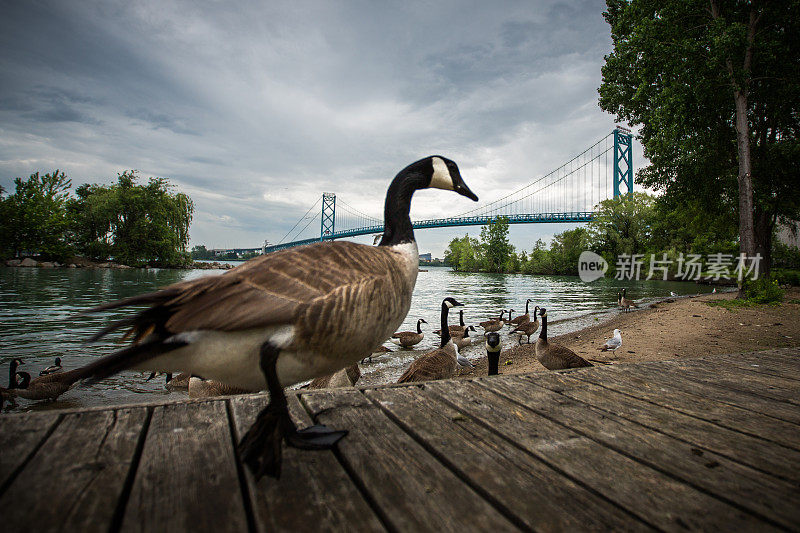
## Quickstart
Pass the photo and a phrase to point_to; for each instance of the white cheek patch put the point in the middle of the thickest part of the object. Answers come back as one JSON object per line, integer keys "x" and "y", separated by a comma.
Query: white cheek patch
{"x": 441, "y": 175}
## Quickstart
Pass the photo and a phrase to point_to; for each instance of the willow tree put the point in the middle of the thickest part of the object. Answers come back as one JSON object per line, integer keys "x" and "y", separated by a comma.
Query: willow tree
{"x": 715, "y": 86}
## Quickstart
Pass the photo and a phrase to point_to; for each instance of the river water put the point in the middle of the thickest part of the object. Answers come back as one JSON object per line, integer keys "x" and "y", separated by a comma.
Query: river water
{"x": 38, "y": 322}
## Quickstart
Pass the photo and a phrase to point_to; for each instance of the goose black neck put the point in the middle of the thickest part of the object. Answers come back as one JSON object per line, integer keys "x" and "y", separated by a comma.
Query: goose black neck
{"x": 12, "y": 375}
{"x": 461, "y": 317}
{"x": 445, "y": 329}
{"x": 419, "y": 329}
{"x": 543, "y": 334}
{"x": 397, "y": 227}
{"x": 527, "y": 306}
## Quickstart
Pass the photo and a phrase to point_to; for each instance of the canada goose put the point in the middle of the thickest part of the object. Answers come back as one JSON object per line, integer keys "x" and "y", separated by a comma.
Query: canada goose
{"x": 52, "y": 369}
{"x": 521, "y": 319}
{"x": 407, "y": 339}
{"x": 493, "y": 325}
{"x": 207, "y": 388}
{"x": 455, "y": 330}
{"x": 284, "y": 317}
{"x": 376, "y": 353}
{"x": 493, "y": 348}
{"x": 625, "y": 303}
{"x": 440, "y": 363}
{"x": 12, "y": 372}
{"x": 554, "y": 356}
{"x": 466, "y": 340}
{"x": 613, "y": 343}
{"x": 48, "y": 387}
{"x": 527, "y": 328}
{"x": 345, "y": 377}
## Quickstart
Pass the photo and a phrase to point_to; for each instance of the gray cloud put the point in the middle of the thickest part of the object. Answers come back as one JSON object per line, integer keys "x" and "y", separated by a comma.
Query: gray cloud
{"x": 255, "y": 110}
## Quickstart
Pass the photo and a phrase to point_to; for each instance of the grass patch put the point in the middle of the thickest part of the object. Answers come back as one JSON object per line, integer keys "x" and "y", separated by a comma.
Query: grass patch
{"x": 764, "y": 291}
{"x": 730, "y": 305}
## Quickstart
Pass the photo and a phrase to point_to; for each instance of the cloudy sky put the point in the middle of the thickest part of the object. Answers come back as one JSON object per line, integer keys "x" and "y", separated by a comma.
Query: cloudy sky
{"x": 255, "y": 108}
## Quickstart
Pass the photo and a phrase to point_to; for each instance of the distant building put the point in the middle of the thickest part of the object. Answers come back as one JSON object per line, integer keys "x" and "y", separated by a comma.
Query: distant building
{"x": 788, "y": 233}
{"x": 425, "y": 257}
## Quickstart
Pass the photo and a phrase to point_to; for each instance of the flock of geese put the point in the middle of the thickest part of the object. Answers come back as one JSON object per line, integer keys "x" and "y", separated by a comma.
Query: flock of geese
{"x": 291, "y": 316}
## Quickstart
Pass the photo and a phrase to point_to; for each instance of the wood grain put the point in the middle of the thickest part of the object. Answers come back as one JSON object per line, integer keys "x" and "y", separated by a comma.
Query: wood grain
{"x": 313, "y": 492}
{"x": 770, "y": 499}
{"x": 414, "y": 490}
{"x": 187, "y": 477}
{"x": 76, "y": 478}
{"x": 20, "y": 436}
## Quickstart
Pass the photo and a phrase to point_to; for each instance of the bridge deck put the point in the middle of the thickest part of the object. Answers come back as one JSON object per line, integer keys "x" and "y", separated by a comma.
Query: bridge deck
{"x": 703, "y": 444}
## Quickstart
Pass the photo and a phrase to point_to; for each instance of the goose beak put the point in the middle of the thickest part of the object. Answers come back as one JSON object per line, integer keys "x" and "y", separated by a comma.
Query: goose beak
{"x": 462, "y": 189}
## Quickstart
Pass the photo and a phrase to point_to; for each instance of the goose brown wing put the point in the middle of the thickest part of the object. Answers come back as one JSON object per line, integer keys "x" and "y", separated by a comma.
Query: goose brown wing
{"x": 437, "y": 364}
{"x": 269, "y": 290}
{"x": 570, "y": 358}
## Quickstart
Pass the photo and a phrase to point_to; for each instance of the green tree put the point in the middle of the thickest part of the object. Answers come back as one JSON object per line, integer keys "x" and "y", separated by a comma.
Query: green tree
{"x": 136, "y": 224}
{"x": 716, "y": 88}
{"x": 565, "y": 250}
{"x": 496, "y": 248}
{"x": 34, "y": 218}
{"x": 463, "y": 254}
{"x": 622, "y": 226}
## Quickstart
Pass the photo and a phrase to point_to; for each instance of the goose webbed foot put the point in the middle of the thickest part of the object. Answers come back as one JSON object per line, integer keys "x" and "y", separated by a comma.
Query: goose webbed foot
{"x": 316, "y": 437}
{"x": 260, "y": 448}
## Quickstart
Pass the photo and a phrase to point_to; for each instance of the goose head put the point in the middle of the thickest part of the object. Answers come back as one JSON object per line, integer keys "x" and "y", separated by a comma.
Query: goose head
{"x": 445, "y": 175}
{"x": 58, "y": 361}
{"x": 535, "y": 309}
{"x": 493, "y": 342}
{"x": 542, "y": 312}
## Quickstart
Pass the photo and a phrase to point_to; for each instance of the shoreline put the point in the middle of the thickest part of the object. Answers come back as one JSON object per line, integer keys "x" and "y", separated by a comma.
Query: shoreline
{"x": 672, "y": 328}
{"x": 81, "y": 262}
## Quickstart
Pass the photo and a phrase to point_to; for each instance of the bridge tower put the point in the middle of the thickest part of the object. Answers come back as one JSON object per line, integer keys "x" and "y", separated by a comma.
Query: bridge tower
{"x": 328, "y": 215}
{"x": 623, "y": 160}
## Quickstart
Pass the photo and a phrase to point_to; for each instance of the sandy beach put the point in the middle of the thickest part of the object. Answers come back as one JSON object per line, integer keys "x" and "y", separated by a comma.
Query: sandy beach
{"x": 674, "y": 328}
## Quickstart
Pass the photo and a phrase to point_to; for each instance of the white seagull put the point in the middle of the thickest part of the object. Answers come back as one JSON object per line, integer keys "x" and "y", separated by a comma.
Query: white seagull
{"x": 613, "y": 343}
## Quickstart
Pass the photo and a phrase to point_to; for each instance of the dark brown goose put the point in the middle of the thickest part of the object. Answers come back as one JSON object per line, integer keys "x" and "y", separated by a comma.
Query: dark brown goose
{"x": 346, "y": 377}
{"x": 179, "y": 382}
{"x": 554, "y": 356}
{"x": 494, "y": 325}
{"x": 441, "y": 363}
{"x": 493, "y": 347}
{"x": 455, "y": 330}
{"x": 466, "y": 340}
{"x": 207, "y": 388}
{"x": 521, "y": 319}
{"x": 284, "y": 317}
{"x": 527, "y": 328}
{"x": 407, "y": 339}
{"x": 47, "y": 387}
{"x": 625, "y": 303}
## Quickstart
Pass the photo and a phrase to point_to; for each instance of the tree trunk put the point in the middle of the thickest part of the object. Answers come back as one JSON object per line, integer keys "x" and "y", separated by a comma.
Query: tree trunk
{"x": 747, "y": 239}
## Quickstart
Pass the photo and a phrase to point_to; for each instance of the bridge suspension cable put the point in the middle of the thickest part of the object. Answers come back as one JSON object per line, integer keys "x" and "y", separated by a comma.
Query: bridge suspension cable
{"x": 301, "y": 219}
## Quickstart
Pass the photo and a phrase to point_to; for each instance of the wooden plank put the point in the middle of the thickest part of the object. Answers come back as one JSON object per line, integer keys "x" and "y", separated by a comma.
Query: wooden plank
{"x": 743, "y": 400}
{"x": 654, "y": 497}
{"x": 413, "y": 490}
{"x": 21, "y": 436}
{"x": 504, "y": 474}
{"x": 187, "y": 476}
{"x": 653, "y": 387}
{"x": 313, "y": 487}
{"x": 76, "y": 478}
{"x": 734, "y": 379}
{"x": 776, "y": 460}
{"x": 729, "y": 371}
{"x": 762, "y": 365}
{"x": 772, "y": 500}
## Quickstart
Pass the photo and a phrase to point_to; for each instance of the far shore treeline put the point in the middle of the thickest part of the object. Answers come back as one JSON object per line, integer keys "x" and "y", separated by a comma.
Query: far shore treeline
{"x": 638, "y": 223}
{"x": 133, "y": 223}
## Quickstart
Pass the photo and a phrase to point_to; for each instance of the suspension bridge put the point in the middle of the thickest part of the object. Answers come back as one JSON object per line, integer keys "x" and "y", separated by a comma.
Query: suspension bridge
{"x": 567, "y": 194}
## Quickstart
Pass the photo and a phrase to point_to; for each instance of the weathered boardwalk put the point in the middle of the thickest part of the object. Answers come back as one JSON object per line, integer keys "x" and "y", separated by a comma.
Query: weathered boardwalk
{"x": 710, "y": 443}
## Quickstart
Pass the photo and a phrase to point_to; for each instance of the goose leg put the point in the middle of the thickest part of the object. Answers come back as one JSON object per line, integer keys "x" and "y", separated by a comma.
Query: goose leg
{"x": 260, "y": 448}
